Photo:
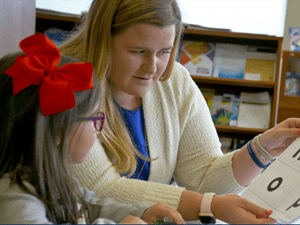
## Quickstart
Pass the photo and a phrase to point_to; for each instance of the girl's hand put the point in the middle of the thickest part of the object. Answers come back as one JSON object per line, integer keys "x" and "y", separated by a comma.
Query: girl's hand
{"x": 277, "y": 139}
{"x": 132, "y": 220}
{"x": 160, "y": 211}
{"x": 234, "y": 209}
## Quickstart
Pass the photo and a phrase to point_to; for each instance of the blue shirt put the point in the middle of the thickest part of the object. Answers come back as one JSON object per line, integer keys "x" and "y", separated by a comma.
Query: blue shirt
{"x": 135, "y": 123}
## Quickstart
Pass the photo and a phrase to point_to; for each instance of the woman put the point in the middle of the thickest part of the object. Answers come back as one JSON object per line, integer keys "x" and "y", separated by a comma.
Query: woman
{"x": 154, "y": 110}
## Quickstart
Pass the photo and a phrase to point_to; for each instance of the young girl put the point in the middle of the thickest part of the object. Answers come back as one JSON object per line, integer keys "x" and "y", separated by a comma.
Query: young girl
{"x": 49, "y": 118}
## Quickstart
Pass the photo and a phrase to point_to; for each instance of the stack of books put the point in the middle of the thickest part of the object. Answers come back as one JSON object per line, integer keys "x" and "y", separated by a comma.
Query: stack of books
{"x": 250, "y": 110}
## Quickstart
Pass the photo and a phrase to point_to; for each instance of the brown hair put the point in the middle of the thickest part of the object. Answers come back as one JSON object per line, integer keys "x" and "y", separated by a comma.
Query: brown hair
{"x": 33, "y": 146}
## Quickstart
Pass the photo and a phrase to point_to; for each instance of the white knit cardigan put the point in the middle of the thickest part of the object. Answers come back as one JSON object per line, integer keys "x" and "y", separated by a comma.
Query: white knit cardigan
{"x": 182, "y": 136}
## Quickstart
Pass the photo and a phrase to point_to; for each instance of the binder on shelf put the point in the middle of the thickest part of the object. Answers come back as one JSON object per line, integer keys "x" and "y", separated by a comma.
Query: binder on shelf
{"x": 197, "y": 57}
{"x": 254, "y": 110}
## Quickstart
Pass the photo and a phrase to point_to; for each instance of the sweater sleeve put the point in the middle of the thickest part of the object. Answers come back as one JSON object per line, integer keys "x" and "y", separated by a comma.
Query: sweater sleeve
{"x": 98, "y": 174}
{"x": 201, "y": 165}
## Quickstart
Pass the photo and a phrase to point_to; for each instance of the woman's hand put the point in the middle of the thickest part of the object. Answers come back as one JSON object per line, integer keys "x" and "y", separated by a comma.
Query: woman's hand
{"x": 132, "y": 220}
{"x": 277, "y": 139}
{"x": 234, "y": 209}
{"x": 160, "y": 211}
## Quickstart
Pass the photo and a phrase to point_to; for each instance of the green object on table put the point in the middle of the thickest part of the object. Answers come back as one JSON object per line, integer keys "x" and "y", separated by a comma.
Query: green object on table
{"x": 160, "y": 222}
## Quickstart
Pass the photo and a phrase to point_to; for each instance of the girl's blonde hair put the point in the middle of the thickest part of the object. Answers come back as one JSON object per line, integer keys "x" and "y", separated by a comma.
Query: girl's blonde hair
{"x": 92, "y": 42}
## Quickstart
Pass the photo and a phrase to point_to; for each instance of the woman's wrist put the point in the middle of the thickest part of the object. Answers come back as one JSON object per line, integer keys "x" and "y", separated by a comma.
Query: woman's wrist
{"x": 189, "y": 205}
{"x": 218, "y": 205}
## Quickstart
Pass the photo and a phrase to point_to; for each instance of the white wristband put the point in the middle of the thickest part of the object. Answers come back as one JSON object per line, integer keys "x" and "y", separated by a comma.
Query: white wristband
{"x": 263, "y": 149}
{"x": 205, "y": 214}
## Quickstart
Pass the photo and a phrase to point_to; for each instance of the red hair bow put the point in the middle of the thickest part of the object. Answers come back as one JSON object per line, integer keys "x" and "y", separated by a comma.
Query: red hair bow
{"x": 38, "y": 67}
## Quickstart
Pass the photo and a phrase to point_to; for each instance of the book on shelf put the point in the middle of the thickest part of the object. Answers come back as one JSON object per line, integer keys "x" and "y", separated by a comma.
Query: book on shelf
{"x": 230, "y": 61}
{"x": 260, "y": 63}
{"x": 225, "y": 109}
{"x": 259, "y": 69}
{"x": 229, "y": 144}
{"x": 57, "y": 35}
{"x": 208, "y": 94}
{"x": 226, "y": 144}
{"x": 254, "y": 110}
{"x": 235, "y": 104}
{"x": 292, "y": 84}
{"x": 197, "y": 57}
{"x": 238, "y": 143}
{"x": 221, "y": 110}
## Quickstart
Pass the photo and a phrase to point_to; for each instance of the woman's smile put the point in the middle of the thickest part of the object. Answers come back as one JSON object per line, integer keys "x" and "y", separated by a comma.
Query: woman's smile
{"x": 143, "y": 78}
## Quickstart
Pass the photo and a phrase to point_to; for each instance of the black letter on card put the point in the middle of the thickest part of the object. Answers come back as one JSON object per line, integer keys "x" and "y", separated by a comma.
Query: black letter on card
{"x": 296, "y": 204}
{"x": 279, "y": 180}
{"x": 297, "y": 154}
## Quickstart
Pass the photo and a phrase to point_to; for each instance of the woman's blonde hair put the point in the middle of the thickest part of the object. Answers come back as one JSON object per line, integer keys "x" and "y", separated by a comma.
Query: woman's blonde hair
{"x": 92, "y": 42}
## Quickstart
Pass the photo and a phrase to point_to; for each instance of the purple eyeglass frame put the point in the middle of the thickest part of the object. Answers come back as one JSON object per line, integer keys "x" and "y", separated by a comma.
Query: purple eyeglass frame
{"x": 100, "y": 116}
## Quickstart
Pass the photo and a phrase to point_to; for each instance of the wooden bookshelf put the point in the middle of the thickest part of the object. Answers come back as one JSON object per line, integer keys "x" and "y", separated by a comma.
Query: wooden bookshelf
{"x": 239, "y": 130}
{"x": 235, "y": 86}
{"x": 235, "y": 82}
{"x": 46, "y": 19}
{"x": 54, "y": 15}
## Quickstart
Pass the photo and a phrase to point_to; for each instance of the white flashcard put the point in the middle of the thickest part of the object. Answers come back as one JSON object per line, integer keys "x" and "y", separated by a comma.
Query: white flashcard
{"x": 278, "y": 187}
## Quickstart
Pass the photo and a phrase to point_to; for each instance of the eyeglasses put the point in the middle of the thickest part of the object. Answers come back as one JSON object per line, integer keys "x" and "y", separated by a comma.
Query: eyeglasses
{"x": 98, "y": 120}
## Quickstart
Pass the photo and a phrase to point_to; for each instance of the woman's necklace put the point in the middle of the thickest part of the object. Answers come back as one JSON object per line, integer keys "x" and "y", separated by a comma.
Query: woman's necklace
{"x": 147, "y": 152}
